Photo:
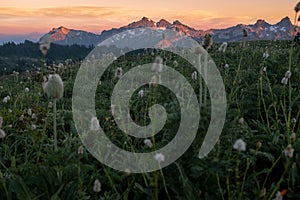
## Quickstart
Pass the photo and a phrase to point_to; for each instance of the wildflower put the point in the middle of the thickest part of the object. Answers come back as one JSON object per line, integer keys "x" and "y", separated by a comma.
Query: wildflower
{"x": 264, "y": 69}
{"x": 157, "y": 65}
{"x": 207, "y": 41}
{"x": 297, "y": 7}
{"x": 223, "y": 47}
{"x": 50, "y": 104}
{"x": 141, "y": 93}
{"x": 26, "y": 89}
{"x": 289, "y": 151}
{"x": 278, "y": 196}
{"x": 54, "y": 87}
{"x": 284, "y": 81}
{"x": 80, "y": 150}
{"x": 159, "y": 157}
{"x": 94, "y": 126}
{"x": 288, "y": 74}
{"x": 226, "y": 66}
{"x": 10, "y": 110}
{"x": 2, "y": 134}
{"x": 33, "y": 127}
{"x": 194, "y": 75}
{"x": 119, "y": 72}
{"x": 293, "y": 121}
{"x": 148, "y": 143}
{"x": 293, "y": 136}
{"x": 33, "y": 116}
{"x": 21, "y": 118}
{"x": 241, "y": 120}
{"x": 265, "y": 55}
{"x": 97, "y": 186}
{"x": 29, "y": 111}
{"x": 5, "y": 100}
{"x": 45, "y": 43}
{"x": 240, "y": 145}
{"x": 175, "y": 63}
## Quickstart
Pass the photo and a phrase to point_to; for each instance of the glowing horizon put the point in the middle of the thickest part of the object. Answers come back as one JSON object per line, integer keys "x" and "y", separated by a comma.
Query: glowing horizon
{"x": 20, "y": 17}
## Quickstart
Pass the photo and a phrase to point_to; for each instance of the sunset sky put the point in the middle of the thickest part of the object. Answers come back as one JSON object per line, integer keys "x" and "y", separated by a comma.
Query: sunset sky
{"x": 27, "y": 16}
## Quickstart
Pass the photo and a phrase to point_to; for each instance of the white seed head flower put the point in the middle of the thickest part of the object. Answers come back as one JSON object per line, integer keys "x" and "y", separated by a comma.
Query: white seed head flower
{"x": 33, "y": 127}
{"x": 2, "y": 134}
{"x": 293, "y": 120}
{"x": 10, "y": 110}
{"x": 159, "y": 157}
{"x": 284, "y": 81}
{"x": 5, "y": 100}
{"x": 194, "y": 75}
{"x": 148, "y": 143}
{"x": 97, "y": 186}
{"x": 29, "y": 112}
{"x": 80, "y": 150}
{"x": 141, "y": 93}
{"x": 288, "y": 74}
{"x": 226, "y": 66}
{"x": 21, "y": 118}
{"x": 278, "y": 196}
{"x": 26, "y": 89}
{"x": 119, "y": 72}
{"x": 157, "y": 66}
{"x": 289, "y": 151}
{"x": 223, "y": 47}
{"x": 265, "y": 55}
{"x": 293, "y": 136}
{"x": 33, "y": 116}
{"x": 94, "y": 126}
{"x": 54, "y": 87}
{"x": 264, "y": 69}
{"x": 240, "y": 145}
{"x": 241, "y": 120}
{"x": 175, "y": 63}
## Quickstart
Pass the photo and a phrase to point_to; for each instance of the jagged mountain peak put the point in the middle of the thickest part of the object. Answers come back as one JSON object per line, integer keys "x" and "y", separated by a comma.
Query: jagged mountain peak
{"x": 285, "y": 22}
{"x": 144, "y": 22}
{"x": 163, "y": 23}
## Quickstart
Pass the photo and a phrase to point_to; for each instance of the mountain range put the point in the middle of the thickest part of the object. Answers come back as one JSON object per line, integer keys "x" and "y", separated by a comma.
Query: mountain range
{"x": 261, "y": 30}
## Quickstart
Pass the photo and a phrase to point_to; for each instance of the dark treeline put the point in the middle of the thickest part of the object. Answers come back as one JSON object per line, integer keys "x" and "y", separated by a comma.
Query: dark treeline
{"x": 24, "y": 56}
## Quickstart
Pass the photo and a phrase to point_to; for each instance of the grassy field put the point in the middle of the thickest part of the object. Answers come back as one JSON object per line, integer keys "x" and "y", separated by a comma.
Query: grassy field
{"x": 261, "y": 110}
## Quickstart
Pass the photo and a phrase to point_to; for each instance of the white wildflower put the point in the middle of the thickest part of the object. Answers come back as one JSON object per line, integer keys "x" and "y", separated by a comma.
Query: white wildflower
{"x": 293, "y": 136}
{"x": 26, "y": 89}
{"x": 97, "y": 186}
{"x": 29, "y": 112}
{"x": 159, "y": 157}
{"x": 119, "y": 72}
{"x": 54, "y": 87}
{"x": 2, "y": 134}
{"x": 223, "y": 47}
{"x": 194, "y": 75}
{"x": 284, "y": 81}
{"x": 265, "y": 55}
{"x": 80, "y": 150}
{"x": 278, "y": 196}
{"x": 240, "y": 145}
{"x": 241, "y": 120}
{"x": 1, "y": 121}
{"x": 141, "y": 93}
{"x": 288, "y": 74}
{"x": 148, "y": 143}
{"x": 289, "y": 151}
